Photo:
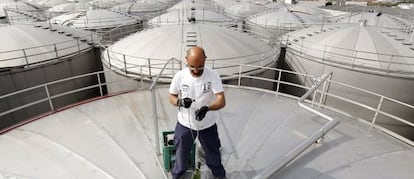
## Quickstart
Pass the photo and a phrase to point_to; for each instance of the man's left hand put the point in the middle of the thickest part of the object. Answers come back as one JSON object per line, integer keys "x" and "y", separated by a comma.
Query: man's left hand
{"x": 201, "y": 113}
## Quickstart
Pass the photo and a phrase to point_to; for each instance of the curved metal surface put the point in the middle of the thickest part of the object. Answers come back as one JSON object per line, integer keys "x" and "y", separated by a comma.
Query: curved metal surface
{"x": 252, "y": 136}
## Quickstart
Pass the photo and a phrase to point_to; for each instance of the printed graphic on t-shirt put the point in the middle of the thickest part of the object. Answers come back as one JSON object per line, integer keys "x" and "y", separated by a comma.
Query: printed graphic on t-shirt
{"x": 185, "y": 90}
{"x": 206, "y": 87}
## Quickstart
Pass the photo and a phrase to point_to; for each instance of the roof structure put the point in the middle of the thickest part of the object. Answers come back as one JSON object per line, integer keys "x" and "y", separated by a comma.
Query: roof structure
{"x": 113, "y": 138}
{"x": 95, "y": 19}
{"x": 374, "y": 18}
{"x": 284, "y": 18}
{"x": 404, "y": 13}
{"x": 103, "y": 4}
{"x": 223, "y": 47}
{"x": 309, "y": 7}
{"x": 15, "y": 7}
{"x": 140, "y": 7}
{"x": 179, "y": 16}
{"x": 244, "y": 8}
{"x": 69, "y": 7}
{"x": 368, "y": 46}
{"x": 190, "y": 11}
{"x": 31, "y": 44}
{"x": 49, "y": 3}
{"x": 188, "y": 4}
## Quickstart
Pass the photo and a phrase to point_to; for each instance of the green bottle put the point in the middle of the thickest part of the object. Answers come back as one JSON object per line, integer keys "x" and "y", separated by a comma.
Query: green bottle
{"x": 196, "y": 173}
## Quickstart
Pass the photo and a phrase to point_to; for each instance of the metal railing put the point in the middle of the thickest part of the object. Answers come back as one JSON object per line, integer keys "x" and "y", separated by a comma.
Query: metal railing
{"x": 127, "y": 65}
{"x": 388, "y": 64}
{"x": 23, "y": 13}
{"x": 154, "y": 105}
{"x": 378, "y": 109}
{"x": 380, "y": 106}
{"x": 319, "y": 98}
{"x": 291, "y": 155}
{"x": 285, "y": 27}
{"x": 143, "y": 67}
{"x": 373, "y": 108}
{"x": 121, "y": 31}
{"x": 40, "y": 54}
{"x": 182, "y": 17}
{"x": 50, "y": 97}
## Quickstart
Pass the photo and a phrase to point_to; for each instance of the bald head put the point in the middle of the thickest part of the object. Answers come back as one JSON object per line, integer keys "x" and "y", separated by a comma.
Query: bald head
{"x": 197, "y": 52}
{"x": 195, "y": 60}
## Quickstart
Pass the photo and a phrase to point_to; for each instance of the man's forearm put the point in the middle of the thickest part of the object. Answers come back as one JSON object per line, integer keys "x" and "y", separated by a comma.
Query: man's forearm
{"x": 173, "y": 99}
{"x": 219, "y": 103}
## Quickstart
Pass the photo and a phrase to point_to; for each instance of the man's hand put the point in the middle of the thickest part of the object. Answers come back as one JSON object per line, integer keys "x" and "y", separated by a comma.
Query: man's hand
{"x": 186, "y": 102}
{"x": 201, "y": 113}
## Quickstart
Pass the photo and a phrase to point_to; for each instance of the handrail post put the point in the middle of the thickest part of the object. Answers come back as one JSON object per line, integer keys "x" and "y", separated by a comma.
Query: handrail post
{"x": 48, "y": 98}
{"x": 279, "y": 77}
{"x": 239, "y": 77}
{"x": 149, "y": 67}
{"x": 323, "y": 55}
{"x": 377, "y": 110}
{"x": 323, "y": 93}
{"x": 125, "y": 66}
{"x": 100, "y": 83}
{"x": 25, "y": 57}
{"x": 314, "y": 96}
{"x": 110, "y": 37}
{"x": 109, "y": 58}
{"x": 54, "y": 46}
{"x": 389, "y": 63}
{"x": 93, "y": 41}
{"x": 353, "y": 58}
{"x": 142, "y": 74}
{"x": 77, "y": 41}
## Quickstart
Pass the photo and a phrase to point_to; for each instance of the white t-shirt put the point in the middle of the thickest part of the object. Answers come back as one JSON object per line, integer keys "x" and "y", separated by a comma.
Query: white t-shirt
{"x": 201, "y": 89}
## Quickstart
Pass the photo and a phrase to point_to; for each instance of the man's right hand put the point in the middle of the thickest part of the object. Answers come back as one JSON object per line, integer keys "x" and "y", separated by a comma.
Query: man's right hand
{"x": 186, "y": 102}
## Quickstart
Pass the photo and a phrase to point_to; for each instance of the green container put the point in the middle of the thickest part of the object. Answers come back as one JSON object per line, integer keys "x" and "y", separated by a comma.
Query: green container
{"x": 168, "y": 153}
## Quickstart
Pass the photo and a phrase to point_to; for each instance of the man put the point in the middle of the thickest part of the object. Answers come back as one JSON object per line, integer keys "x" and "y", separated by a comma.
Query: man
{"x": 198, "y": 92}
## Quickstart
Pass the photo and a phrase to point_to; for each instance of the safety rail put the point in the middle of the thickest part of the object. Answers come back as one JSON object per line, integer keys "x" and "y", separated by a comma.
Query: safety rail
{"x": 372, "y": 108}
{"x": 290, "y": 26}
{"x": 260, "y": 33}
{"x": 154, "y": 105}
{"x": 385, "y": 10}
{"x": 388, "y": 64}
{"x": 103, "y": 22}
{"x": 376, "y": 108}
{"x": 88, "y": 20}
{"x": 128, "y": 8}
{"x": 121, "y": 31}
{"x": 291, "y": 155}
{"x": 148, "y": 67}
{"x": 285, "y": 27}
{"x": 22, "y": 13}
{"x": 375, "y": 113}
{"x": 182, "y": 17}
{"x": 49, "y": 97}
{"x": 35, "y": 55}
{"x": 176, "y": 21}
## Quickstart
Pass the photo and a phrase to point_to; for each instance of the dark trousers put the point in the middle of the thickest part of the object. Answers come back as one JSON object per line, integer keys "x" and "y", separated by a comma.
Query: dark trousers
{"x": 210, "y": 142}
